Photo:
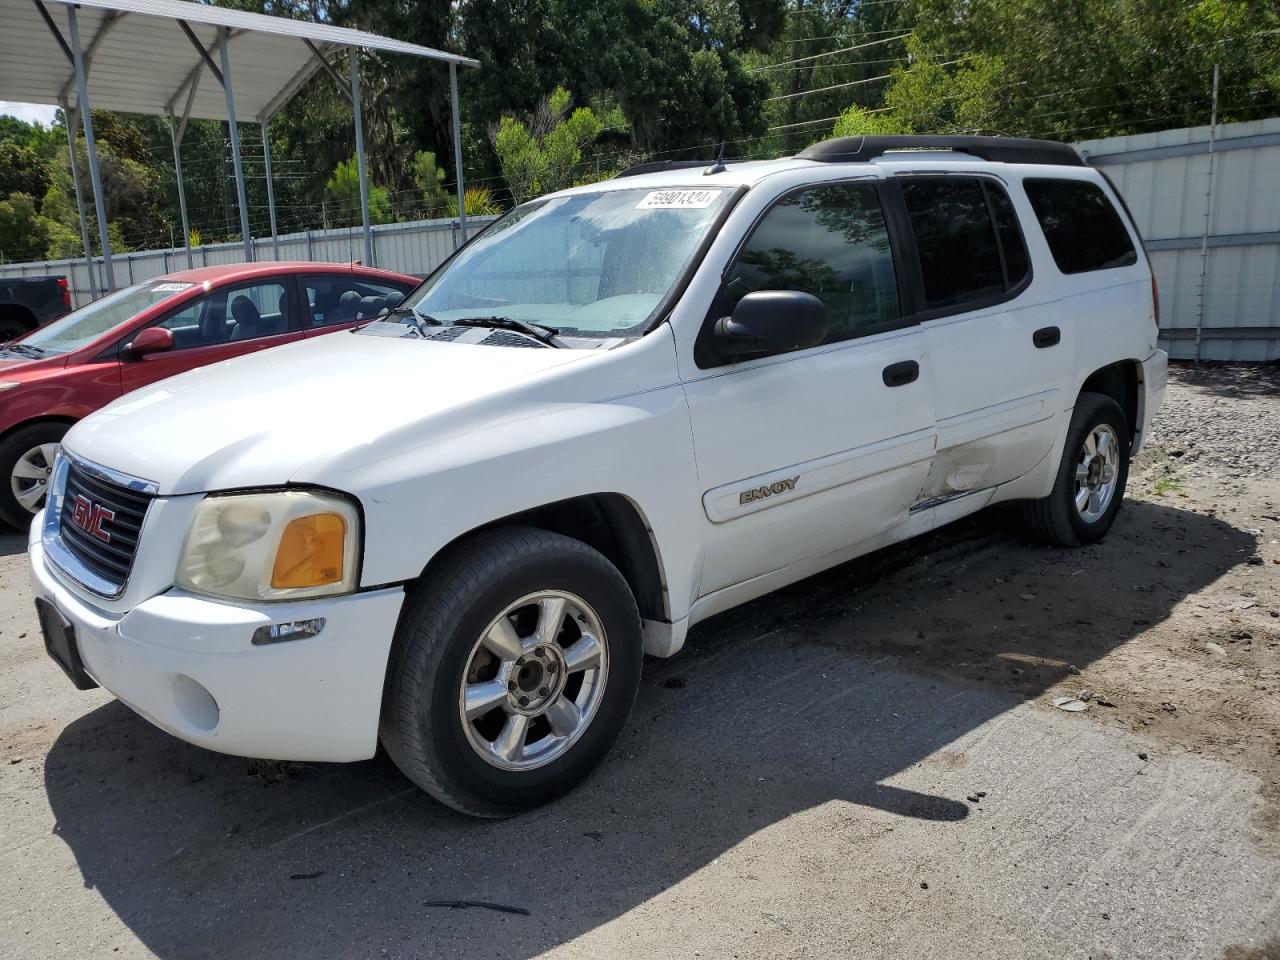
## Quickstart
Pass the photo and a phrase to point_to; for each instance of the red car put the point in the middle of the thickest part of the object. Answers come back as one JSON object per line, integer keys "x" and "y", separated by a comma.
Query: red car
{"x": 54, "y": 376}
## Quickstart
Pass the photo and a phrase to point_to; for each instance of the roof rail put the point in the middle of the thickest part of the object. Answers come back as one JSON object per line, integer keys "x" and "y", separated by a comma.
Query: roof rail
{"x": 1002, "y": 149}
{"x": 662, "y": 166}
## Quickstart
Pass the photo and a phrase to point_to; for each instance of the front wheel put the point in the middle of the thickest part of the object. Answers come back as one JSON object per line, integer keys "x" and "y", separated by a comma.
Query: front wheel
{"x": 26, "y": 467}
{"x": 1089, "y": 488}
{"x": 513, "y": 671}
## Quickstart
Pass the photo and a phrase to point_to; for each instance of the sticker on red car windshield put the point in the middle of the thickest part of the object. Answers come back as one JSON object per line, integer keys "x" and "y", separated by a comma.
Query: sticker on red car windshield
{"x": 170, "y": 287}
{"x": 678, "y": 199}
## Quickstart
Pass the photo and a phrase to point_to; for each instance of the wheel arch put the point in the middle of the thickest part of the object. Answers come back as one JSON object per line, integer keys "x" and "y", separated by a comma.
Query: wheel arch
{"x": 1122, "y": 382}
{"x": 611, "y": 523}
{"x": 37, "y": 421}
{"x": 20, "y": 313}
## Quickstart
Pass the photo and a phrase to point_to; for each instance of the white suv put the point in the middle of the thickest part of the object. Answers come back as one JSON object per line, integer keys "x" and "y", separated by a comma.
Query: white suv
{"x": 619, "y": 410}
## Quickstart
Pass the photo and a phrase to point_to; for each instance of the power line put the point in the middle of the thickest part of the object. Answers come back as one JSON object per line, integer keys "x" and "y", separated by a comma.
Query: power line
{"x": 832, "y": 53}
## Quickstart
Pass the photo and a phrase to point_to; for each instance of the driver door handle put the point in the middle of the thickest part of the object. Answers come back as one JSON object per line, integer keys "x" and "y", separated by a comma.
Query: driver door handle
{"x": 1046, "y": 337}
{"x": 901, "y": 373}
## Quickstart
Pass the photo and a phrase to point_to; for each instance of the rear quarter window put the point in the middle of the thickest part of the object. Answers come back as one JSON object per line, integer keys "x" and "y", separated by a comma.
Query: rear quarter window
{"x": 1082, "y": 226}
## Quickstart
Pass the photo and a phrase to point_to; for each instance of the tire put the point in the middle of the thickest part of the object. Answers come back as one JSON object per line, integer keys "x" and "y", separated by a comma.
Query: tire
{"x": 11, "y": 328}
{"x": 446, "y": 642}
{"x": 1058, "y": 519}
{"x": 24, "y": 442}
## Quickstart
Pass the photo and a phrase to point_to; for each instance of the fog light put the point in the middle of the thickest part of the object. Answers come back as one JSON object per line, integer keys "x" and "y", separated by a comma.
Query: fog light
{"x": 281, "y": 632}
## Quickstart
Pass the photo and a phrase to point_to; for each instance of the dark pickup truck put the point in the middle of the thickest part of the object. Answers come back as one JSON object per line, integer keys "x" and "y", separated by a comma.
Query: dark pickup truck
{"x": 29, "y": 302}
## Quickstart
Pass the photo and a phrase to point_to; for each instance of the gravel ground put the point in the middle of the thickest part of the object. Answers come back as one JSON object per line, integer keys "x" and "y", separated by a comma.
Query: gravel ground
{"x": 868, "y": 764}
{"x": 1220, "y": 420}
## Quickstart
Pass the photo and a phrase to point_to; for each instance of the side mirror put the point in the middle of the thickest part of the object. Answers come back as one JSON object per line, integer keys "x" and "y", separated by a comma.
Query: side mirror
{"x": 150, "y": 340}
{"x": 771, "y": 321}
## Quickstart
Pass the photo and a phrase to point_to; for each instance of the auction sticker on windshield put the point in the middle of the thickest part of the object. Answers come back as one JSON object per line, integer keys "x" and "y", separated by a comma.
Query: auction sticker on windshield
{"x": 170, "y": 287}
{"x": 678, "y": 199}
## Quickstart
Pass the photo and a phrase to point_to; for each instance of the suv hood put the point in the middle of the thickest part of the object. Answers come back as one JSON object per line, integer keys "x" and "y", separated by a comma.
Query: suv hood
{"x": 305, "y": 412}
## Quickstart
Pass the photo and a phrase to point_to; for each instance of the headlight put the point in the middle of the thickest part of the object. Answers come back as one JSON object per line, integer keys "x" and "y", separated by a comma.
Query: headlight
{"x": 284, "y": 545}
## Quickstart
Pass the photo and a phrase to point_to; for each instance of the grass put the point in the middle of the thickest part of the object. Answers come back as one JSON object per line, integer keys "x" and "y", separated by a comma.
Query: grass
{"x": 1167, "y": 485}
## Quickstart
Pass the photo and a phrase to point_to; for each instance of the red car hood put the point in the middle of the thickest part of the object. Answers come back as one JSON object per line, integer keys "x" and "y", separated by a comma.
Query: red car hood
{"x": 11, "y": 365}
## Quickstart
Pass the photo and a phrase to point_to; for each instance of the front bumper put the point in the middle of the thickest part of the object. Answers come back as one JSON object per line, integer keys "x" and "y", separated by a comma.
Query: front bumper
{"x": 186, "y": 664}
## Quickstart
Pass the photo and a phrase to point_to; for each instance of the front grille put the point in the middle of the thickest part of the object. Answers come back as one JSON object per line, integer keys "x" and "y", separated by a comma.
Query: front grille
{"x": 115, "y": 511}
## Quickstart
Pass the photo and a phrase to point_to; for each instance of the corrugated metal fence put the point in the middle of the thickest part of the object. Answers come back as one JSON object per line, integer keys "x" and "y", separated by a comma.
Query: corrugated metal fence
{"x": 414, "y": 248}
{"x": 1214, "y": 244}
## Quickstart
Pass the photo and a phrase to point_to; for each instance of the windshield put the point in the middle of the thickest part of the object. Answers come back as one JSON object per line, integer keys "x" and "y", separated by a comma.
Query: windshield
{"x": 590, "y": 265}
{"x": 85, "y": 325}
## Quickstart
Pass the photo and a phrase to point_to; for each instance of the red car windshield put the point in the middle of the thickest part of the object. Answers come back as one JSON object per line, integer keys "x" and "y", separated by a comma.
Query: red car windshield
{"x": 85, "y": 325}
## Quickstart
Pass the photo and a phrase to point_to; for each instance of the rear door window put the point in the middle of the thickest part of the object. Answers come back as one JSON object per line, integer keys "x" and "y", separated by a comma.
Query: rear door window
{"x": 971, "y": 250}
{"x": 1081, "y": 225}
{"x": 336, "y": 299}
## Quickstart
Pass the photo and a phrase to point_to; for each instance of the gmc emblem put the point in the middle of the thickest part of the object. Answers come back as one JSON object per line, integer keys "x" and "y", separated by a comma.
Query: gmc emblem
{"x": 90, "y": 517}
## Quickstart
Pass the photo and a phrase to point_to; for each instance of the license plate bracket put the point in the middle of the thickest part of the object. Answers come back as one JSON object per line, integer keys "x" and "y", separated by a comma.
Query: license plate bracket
{"x": 60, "y": 644}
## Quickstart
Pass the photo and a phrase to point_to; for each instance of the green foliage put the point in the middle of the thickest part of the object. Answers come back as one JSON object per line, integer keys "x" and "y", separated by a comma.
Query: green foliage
{"x": 343, "y": 190}
{"x": 193, "y": 238}
{"x": 1091, "y": 68}
{"x": 24, "y": 234}
{"x": 21, "y": 170}
{"x": 429, "y": 179}
{"x": 479, "y": 201}
{"x": 859, "y": 121}
{"x": 543, "y": 153}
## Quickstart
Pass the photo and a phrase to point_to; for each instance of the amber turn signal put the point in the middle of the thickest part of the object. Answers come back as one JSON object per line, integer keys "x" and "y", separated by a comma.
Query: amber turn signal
{"x": 311, "y": 552}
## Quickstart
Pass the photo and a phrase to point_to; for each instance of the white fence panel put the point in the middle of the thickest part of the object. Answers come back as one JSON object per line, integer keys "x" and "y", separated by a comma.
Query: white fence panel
{"x": 415, "y": 248}
{"x": 1232, "y": 294}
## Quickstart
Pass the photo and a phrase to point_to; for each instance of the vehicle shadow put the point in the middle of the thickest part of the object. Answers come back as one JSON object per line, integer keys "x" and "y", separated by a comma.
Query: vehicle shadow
{"x": 824, "y": 692}
{"x": 12, "y": 542}
{"x": 1233, "y": 381}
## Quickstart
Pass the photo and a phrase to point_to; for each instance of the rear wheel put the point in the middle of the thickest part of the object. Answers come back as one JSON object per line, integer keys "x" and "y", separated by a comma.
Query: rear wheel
{"x": 1089, "y": 488}
{"x": 512, "y": 673}
{"x": 26, "y": 467}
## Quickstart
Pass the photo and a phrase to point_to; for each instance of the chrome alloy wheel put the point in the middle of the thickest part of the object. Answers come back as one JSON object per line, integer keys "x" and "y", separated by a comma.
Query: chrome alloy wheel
{"x": 29, "y": 480}
{"x": 1096, "y": 472}
{"x": 534, "y": 680}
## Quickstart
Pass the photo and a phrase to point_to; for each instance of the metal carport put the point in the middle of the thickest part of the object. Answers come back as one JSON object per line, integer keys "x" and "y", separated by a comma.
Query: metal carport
{"x": 180, "y": 60}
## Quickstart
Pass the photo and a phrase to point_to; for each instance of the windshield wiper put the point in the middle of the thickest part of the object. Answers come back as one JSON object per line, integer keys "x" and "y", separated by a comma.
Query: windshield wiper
{"x": 540, "y": 333}
{"x": 24, "y": 350}
{"x": 419, "y": 320}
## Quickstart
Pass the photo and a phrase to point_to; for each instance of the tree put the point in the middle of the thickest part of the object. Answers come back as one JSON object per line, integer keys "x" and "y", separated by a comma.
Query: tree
{"x": 343, "y": 189}
{"x": 429, "y": 179}
{"x": 859, "y": 121}
{"x": 24, "y": 234}
{"x": 1090, "y": 68}
{"x": 543, "y": 153}
{"x": 21, "y": 170}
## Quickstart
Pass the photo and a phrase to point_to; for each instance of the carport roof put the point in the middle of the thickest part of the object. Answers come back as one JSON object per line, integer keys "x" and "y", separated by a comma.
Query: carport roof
{"x": 141, "y": 57}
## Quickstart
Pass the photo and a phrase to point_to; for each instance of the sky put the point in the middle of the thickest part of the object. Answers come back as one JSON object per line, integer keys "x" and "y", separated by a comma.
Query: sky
{"x": 31, "y": 112}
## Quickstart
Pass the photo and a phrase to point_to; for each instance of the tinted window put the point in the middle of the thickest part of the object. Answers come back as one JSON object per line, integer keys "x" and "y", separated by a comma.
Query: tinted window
{"x": 336, "y": 299}
{"x": 956, "y": 240}
{"x": 1083, "y": 229}
{"x": 246, "y": 312}
{"x": 1012, "y": 246}
{"x": 827, "y": 241}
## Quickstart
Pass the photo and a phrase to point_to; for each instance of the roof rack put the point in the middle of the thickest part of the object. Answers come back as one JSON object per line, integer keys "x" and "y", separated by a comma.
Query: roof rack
{"x": 1001, "y": 149}
{"x": 662, "y": 166}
